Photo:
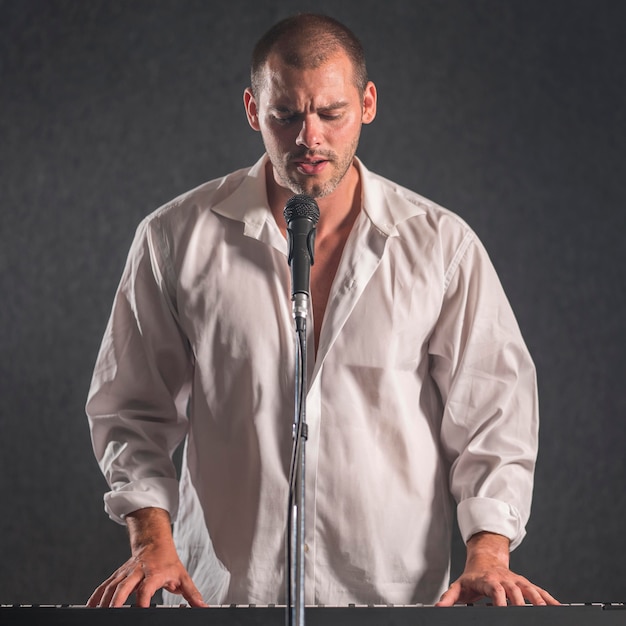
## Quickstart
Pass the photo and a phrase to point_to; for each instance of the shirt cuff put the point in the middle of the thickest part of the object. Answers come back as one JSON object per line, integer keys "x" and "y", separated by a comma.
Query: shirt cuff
{"x": 477, "y": 515}
{"x": 139, "y": 494}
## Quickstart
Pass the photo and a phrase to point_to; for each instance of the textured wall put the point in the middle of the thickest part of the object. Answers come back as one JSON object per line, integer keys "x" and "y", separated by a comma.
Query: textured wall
{"x": 509, "y": 112}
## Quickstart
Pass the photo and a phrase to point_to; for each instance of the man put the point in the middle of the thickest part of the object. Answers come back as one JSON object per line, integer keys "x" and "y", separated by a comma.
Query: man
{"x": 420, "y": 386}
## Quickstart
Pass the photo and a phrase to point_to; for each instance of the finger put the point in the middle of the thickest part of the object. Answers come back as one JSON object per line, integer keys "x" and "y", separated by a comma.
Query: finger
{"x": 96, "y": 597}
{"x": 514, "y": 593}
{"x": 533, "y": 595}
{"x": 143, "y": 596}
{"x": 146, "y": 589}
{"x": 118, "y": 595}
{"x": 107, "y": 595}
{"x": 187, "y": 589}
{"x": 192, "y": 595}
{"x": 548, "y": 598}
{"x": 540, "y": 596}
{"x": 497, "y": 594}
{"x": 451, "y": 596}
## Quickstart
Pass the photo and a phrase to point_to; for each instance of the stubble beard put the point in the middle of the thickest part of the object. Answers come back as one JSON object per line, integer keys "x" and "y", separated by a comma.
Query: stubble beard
{"x": 309, "y": 185}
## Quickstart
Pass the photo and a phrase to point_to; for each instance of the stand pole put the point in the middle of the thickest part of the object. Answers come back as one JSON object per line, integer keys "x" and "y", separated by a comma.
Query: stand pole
{"x": 301, "y": 214}
{"x": 295, "y": 548}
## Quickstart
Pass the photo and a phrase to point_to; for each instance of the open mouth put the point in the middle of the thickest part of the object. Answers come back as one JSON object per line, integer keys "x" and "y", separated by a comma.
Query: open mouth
{"x": 312, "y": 167}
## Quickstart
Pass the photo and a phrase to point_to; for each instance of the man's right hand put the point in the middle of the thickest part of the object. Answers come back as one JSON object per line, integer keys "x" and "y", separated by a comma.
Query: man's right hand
{"x": 154, "y": 565}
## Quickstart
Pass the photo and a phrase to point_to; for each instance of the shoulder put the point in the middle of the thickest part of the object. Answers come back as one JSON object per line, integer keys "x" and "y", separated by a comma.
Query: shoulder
{"x": 170, "y": 226}
{"x": 409, "y": 215}
{"x": 198, "y": 200}
{"x": 165, "y": 233}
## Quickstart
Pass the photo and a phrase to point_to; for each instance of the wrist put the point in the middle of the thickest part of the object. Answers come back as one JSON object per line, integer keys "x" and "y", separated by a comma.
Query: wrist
{"x": 489, "y": 545}
{"x": 147, "y": 527}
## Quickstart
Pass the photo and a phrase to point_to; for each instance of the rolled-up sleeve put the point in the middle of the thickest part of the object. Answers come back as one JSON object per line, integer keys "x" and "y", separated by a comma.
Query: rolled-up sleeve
{"x": 138, "y": 394}
{"x": 488, "y": 386}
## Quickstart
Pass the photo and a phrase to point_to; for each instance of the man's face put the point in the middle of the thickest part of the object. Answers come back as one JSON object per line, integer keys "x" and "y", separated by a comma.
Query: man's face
{"x": 310, "y": 121}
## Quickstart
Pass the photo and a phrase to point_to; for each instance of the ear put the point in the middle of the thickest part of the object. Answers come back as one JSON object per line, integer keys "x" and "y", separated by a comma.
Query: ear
{"x": 252, "y": 112}
{"x": 369, "y": 103}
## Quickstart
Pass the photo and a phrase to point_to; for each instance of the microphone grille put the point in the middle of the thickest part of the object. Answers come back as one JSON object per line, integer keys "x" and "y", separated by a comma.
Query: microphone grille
{"x": 301, "y": 205}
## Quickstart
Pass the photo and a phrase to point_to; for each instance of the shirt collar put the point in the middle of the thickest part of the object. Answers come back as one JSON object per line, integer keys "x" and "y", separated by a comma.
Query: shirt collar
{"x": 248, "y": 202}
{"x": 386, "y": 204}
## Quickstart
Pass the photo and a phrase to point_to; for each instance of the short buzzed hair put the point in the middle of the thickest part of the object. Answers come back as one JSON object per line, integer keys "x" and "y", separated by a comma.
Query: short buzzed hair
{"x": 307, "y": 40}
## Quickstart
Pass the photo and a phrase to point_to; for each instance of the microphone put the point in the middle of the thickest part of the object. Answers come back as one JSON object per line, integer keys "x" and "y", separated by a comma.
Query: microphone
{"x": 301, "y": 214}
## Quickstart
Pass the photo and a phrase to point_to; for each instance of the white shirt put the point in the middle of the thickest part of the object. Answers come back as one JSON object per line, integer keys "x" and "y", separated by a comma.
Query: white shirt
{"x": 421, "y": 394}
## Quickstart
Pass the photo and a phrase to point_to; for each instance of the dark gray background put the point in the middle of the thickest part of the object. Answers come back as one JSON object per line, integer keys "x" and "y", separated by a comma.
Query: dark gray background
{"x": 509, "y": 112}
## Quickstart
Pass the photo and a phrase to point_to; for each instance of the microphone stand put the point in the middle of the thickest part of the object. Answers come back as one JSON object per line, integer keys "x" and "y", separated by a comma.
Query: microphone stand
{"x": 301, "y": 214}
{"x": 295, "y": 538}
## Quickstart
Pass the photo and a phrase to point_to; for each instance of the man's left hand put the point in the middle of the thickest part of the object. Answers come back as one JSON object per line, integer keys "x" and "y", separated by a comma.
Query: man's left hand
{"x": 487, "y": 575}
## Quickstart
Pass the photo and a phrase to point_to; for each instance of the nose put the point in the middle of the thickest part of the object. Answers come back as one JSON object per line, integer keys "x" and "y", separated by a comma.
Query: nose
{"x": 309, "y": 135}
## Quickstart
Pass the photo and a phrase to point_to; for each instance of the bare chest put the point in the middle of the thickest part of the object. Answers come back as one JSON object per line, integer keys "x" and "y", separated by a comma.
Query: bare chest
{"x": 327, "y": 257}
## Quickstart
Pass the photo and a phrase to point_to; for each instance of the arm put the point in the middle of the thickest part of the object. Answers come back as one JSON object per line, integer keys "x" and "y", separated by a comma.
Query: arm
{"x": 487, "y": 574}
{"x": 153, "y": 565}
{"x": 136, "y": 411}
{"x": 140, "y": 386}
{"x": 489, "y": 429}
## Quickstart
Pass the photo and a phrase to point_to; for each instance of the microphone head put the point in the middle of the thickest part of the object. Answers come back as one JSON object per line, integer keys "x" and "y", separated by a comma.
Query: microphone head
{"x": 301, "y": 205}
